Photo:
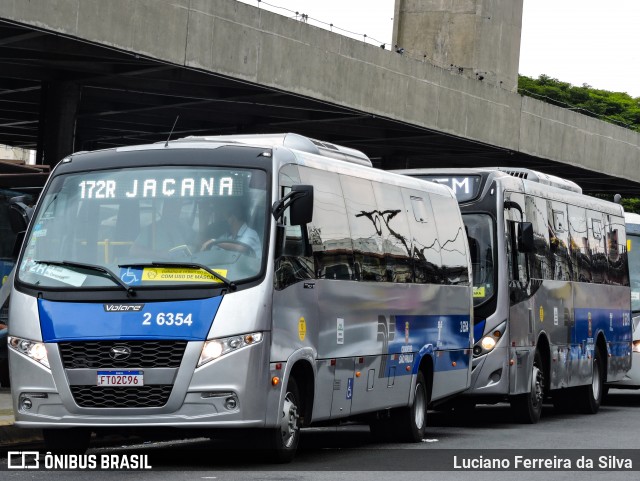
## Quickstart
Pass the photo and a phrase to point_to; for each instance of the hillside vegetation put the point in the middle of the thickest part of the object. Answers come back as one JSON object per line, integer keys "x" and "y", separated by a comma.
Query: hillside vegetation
{"x": 616, "y": 107}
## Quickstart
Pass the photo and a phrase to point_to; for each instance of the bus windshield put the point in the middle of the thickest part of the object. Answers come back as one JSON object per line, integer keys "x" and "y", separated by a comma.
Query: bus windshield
{"x": 634, "y": 270}
{"x": 481, "y": 245}
{"x": 147, "y": 227}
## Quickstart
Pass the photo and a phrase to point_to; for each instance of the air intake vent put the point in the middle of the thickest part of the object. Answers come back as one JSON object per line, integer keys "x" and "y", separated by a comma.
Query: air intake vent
{"x": 542, "y": 178}
{"x": 293, "y": 142}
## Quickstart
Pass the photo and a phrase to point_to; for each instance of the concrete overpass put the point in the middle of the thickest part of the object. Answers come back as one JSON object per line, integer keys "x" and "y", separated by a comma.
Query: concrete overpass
{"x": 87, "y": 74}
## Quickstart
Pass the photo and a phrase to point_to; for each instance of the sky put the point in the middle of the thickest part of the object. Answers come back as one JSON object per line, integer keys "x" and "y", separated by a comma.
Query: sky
{"x": 594, "y": 42}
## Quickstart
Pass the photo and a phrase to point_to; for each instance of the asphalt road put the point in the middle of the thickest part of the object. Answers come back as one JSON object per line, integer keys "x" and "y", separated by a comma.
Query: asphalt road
{"x": 609, "y": 440}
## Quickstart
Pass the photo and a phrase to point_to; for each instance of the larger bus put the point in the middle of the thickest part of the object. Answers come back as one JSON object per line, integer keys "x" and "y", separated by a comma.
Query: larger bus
{"x": 263, "y": 283}
{"x": 632, "y": 379}
{"x": 551, "y": 289}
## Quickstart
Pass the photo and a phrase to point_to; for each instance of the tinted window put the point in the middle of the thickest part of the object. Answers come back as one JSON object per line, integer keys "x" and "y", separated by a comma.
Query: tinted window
{"x": 396, "y": 238}
{"x": 365, "y": 223}
{"x": 541, "y": 259}
{"x": 427, "y": 262}
{"x": 579, "y": 244}
{"x": 294, "y": 265}
{"x": 328, "y": 233}
{"x": 597, "y": 250}
{"x": 452, "y": 238}
{"x": 559, "y": 241}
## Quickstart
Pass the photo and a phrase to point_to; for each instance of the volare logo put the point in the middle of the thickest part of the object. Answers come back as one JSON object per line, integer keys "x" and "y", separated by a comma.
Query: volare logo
{"x": 123, "y": 307}
{"x": 23, "y": 460}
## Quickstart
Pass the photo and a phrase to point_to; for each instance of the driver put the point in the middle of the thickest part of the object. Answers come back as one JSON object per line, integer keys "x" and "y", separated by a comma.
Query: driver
{"x": 241, "y": 237}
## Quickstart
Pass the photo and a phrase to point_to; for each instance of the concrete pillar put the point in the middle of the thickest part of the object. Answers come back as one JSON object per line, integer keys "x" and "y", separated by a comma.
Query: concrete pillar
{"x": 476, "y": 38}
{"x": 60, "y": 102}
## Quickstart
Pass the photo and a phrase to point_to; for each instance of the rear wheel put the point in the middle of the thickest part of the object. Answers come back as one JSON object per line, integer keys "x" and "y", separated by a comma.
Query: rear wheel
{"x": 590, "y": 395}
{"x": 412, "y": 420}
{"x": 283, "y": 440}
{"x": 73, "y": 440}
{"x": 527, "y": 407}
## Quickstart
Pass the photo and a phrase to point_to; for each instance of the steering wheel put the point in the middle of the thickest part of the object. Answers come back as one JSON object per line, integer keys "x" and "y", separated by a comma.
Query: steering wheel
{"x": 230, "y": 245}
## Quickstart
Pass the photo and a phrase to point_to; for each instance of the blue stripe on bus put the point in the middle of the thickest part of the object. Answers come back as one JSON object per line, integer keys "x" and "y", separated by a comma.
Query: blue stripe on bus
{"x": 478, "y": 329}
{"x": 445, "y": 338}
{"x": 70, "y": 321}
{"x": 615, "y": 324}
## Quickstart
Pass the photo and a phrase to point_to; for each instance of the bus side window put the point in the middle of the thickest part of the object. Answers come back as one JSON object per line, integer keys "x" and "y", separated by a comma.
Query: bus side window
{"x": 425, "y": 246}
{"x": 294, "y": 265}
{"x": 329, "y": 233}
{"x": 540, "y": 259}
{"x": 452, "y": 237}
{"x": 597, "y": 250}
{"x": 396, "y": 238}
{"x": 365, "y": 224}
{"x": 617, "y": 252}
{"x": 579, "y": 244}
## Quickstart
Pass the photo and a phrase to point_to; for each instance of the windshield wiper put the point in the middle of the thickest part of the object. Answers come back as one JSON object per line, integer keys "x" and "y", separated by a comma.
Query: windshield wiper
{"x": 190, "y": 265}
{"x": 91, "y": 267}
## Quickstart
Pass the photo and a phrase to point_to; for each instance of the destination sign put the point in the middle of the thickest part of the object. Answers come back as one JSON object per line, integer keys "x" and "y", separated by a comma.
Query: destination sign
{"x": 465, "y": 188}
{"x": 159, "y": 183}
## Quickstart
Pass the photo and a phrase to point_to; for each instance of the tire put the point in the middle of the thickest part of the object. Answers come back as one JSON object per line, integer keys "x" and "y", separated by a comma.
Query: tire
{"x": 71, "y": 440}
{"x": 411, "y": 422}
{"x": 527, "y": 408}
{"x": 590, "y": 395}
{"x": 282, "y": 442}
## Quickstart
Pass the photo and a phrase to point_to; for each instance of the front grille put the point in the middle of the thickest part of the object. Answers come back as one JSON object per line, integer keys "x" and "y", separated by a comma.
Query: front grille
{"x": 121, "y": 397}
{"x": 144, "y": 354}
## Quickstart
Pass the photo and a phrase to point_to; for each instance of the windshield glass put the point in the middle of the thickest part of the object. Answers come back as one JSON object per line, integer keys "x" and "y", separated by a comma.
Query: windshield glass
{"x": 124, "y": 221}
{"x": 633, "y": 254}
{"x": 481, "y": 241}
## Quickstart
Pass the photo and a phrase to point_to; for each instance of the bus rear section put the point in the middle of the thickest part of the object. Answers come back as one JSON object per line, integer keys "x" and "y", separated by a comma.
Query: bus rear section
{"x": 551, "y": 290}
{"x": 259, "y": 284}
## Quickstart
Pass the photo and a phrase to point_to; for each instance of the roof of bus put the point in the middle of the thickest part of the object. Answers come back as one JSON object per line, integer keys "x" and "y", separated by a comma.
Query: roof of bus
{"x": 306, "y": 153}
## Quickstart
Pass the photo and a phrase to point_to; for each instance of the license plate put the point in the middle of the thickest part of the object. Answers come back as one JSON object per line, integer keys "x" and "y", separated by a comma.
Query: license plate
{"x": 120, "y": 378}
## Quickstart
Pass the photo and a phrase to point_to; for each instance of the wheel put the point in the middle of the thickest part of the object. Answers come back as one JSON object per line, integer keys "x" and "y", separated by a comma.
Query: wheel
{"x": 70, "y": 440}
{"x": 230, "y": 245}
{"x": 282, "y": 442}
{"x": 411, "y": 422}
{"x": 590, "y": 396}
{"x": 527, "y": 407}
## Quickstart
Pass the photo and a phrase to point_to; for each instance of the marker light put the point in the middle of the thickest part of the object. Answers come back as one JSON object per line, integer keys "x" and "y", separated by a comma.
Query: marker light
{"x": 32, "y": 349}
{"x": 215, "y": 348}
{"x": 636, "y": 346}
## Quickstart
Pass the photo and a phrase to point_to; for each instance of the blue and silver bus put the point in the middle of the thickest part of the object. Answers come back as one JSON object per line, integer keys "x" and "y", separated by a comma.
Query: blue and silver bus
{"x": 257, "y": 283}
{"x": 551, "y": 289}
{"x": 632, "y": 379}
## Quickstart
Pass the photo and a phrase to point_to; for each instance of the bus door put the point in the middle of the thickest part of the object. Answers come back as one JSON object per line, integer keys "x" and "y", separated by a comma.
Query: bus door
{"x": 522, "y": 308}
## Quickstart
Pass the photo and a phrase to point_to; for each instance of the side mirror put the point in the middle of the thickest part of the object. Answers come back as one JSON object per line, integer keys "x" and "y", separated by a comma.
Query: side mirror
{"x": 19, "y": 214}
{"x": 300, "y": 203}
{"x": 301, "y": 209}
{"x": 525, "y": 237}
{"x": 18, "y": 244}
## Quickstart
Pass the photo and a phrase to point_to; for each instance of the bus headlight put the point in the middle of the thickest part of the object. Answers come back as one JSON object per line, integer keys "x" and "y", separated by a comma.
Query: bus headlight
{"x": 32, "y": 349}
{"x": 488, "y": 342}
{"x": 215, "y": 348}
{"x": 636, "y": 346}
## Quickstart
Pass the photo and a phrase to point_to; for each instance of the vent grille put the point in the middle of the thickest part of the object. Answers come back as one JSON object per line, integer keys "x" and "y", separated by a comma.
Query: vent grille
{"x": 144, "y": 354}
{"x": 520, "y": 175}
{"x": 121, "y": 397}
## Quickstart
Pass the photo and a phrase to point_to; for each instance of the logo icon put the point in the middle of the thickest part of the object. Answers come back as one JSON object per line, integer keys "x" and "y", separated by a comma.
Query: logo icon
{"x": 122, "y": 307}
{"x": 119, "y": 353}
{"x": 23, "y": 460}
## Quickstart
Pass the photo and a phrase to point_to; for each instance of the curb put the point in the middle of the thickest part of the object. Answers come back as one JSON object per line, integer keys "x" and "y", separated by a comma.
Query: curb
{"x": 11, "y": 435}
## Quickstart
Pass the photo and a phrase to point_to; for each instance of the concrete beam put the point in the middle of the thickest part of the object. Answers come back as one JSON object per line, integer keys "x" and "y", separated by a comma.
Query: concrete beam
{"x": 237, "y": 40}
